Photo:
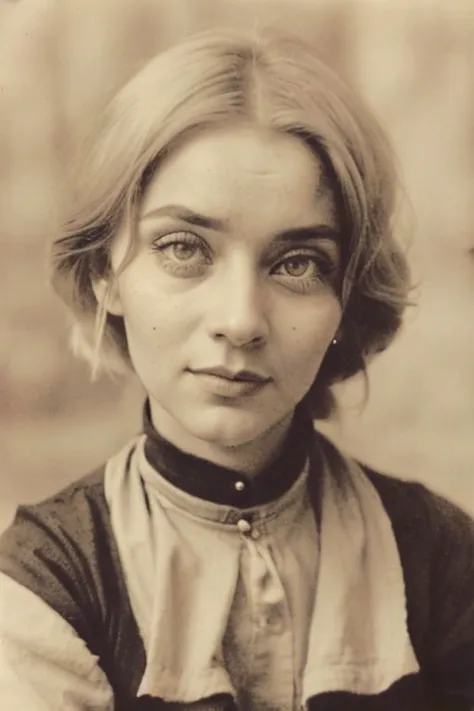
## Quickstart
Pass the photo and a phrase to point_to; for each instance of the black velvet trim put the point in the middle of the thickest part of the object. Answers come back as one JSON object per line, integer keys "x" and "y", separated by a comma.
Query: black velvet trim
{"x": 206, "y": 480}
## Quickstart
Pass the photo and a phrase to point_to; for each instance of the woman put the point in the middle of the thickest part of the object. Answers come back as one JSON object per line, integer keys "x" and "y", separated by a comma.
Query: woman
{"x": 230, "y": 240}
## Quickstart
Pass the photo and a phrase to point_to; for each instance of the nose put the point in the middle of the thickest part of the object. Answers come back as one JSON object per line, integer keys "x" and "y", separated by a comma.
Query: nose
{"x": 237, "y": 312}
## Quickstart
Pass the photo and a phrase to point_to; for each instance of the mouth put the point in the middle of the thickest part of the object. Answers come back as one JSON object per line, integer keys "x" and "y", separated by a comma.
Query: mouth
{"x": 239, "y": 376}
{"x": 231, "y": 385}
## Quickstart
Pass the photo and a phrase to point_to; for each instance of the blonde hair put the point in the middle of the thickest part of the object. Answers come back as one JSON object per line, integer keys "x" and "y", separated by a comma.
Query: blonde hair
{"x": 276, "y": 81}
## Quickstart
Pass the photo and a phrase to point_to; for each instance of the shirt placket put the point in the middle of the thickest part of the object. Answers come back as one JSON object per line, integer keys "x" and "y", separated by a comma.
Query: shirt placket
{"x": 271, "y": 659}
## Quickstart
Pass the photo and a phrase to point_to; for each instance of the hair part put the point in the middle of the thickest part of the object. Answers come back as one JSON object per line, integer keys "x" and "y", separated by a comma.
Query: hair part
{"x": 213, "y": 78}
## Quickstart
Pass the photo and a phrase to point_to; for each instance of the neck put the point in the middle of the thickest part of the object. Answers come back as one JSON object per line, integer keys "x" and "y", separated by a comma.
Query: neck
{"x": 249, "y": 458}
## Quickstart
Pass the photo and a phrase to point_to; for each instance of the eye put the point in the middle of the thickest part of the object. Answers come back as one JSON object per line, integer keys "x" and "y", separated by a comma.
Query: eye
{"x": 305, "y": 271}
{"x": 298, "y": 265}
{"x": 181, "y": 246}
{"x": 182, "y": 250}
{"x": 182, "y": 253}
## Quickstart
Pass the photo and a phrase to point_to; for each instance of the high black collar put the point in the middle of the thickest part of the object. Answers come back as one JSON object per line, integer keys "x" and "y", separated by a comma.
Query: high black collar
{"x": 212, "y": 482}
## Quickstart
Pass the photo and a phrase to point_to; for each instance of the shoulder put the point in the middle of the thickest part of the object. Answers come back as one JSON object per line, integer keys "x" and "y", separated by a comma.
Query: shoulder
{"x": 59, "y": 547}
{"x": 75, "y": 510}
{"x": 436, "y": 543}
{"x": 421, "y": 516}
{"x": 395, "y": 492}
{"x": 435, "y": 539}
{"x": 414, "y": 510}
{"x": 64, "y": 551}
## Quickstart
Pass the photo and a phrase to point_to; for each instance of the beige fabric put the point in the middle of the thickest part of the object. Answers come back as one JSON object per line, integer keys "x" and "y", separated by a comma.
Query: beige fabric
{"x": 44, "y": 665}
{"x": 183, "y": 569}
{"x": 359, "y": 640}
{"x": 229, "y": 609}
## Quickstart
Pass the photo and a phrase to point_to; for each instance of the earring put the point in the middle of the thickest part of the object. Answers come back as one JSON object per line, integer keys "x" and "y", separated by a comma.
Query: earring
{"x": 334, "y": 342}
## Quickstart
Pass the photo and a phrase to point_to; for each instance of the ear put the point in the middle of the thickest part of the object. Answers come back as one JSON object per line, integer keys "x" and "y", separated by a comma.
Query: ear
{"x": 107, "y": 294}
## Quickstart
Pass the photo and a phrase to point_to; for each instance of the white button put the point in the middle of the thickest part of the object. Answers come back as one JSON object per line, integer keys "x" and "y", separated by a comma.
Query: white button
{"x": 239, "y": 485}
{"x": 244, "y": 526}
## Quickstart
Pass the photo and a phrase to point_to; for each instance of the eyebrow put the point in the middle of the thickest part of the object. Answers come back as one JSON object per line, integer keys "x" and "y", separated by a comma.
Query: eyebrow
{"x": 184, "y": 214}
{"x": 317, "y": 232}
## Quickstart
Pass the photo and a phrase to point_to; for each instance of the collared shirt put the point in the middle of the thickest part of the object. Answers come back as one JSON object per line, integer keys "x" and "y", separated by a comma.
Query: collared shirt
{"x": 273, "y": 551}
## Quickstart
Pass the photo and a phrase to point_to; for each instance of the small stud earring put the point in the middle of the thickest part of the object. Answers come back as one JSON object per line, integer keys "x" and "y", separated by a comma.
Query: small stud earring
{"x": 335, "y": 341}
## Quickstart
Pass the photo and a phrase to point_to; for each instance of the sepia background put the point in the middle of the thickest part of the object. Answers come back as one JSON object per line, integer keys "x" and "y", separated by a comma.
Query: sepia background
{"x": 414, "y": 62}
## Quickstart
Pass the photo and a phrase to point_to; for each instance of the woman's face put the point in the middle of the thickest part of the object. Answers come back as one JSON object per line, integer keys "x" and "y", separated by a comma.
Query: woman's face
{"x": 230, "y": 301}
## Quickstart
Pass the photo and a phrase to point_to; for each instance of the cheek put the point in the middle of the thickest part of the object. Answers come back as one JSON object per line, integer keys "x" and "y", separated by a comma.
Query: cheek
{"x": 310, "y": 334}
{"x": 152, "y": 323}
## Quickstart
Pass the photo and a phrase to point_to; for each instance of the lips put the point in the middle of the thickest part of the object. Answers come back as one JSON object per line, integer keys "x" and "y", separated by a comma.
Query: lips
{"x": 231, "y": 385}
{"x": 242, "y": 376}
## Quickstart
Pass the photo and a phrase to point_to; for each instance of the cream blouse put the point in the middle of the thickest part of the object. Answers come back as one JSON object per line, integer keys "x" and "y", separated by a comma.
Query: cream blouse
{"x": 237, "y": 591}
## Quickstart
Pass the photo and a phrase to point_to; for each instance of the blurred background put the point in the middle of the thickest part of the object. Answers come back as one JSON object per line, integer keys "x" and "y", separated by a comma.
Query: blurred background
{"x": 414, "y": 62}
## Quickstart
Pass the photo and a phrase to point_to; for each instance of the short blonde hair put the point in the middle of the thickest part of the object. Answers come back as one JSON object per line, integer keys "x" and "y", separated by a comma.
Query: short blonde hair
{"x": 276, "y": 81}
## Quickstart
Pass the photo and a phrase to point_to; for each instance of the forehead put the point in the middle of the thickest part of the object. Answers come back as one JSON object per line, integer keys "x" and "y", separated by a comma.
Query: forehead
{"x": 235, "y": 171}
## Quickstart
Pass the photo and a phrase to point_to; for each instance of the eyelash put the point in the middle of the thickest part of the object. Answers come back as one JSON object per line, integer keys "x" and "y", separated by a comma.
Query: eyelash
{"x": 323, "y": 263}
{"x": 162, "y": 244}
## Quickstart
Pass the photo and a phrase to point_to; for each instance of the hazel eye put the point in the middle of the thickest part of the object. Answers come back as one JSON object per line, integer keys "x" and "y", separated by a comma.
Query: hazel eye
{"x": 182, "y": 254}
{"x": 305, "y": 271}
{"x": 298, "y": 266}
{"x": 182, "y": 251}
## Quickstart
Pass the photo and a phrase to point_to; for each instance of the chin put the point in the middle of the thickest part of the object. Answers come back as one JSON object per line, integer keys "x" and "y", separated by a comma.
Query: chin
{"x": 229, "y": 429}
